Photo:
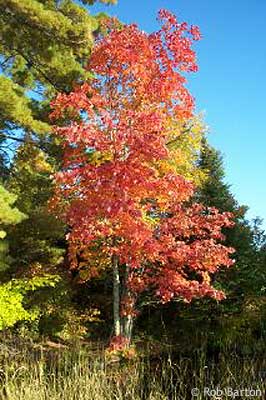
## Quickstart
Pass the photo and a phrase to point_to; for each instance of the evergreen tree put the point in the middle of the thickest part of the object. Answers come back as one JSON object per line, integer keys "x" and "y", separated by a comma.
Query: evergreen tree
{"x": 245, "y": 283}
{"x": 38, "y": 240}
{"x": 244, "y": 278}
{"x": 241, "y": 315}
{"x": 45, "y": 46}
{"x": 9, "y": 215}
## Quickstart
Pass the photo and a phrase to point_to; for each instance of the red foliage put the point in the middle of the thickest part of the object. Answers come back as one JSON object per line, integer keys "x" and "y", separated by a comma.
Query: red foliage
{"x": 125, "y": 203}
{"x": 118, "y": 343}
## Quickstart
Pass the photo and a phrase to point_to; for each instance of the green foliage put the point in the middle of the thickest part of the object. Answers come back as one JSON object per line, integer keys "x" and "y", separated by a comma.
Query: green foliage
{"x": 9, "y": 215}
{"x": 241, "y": 314}
{"x": 239, "y": 321}
{"x": 246, "y": 277}
{"x": 45, "y": 46}
{"x": 12, "y": 293}
{"x": 214, "y": 191}
{"x": 40, "y": 238}
{"x": 12, "y": 299}
{"x": 15, "y": 108}
{"x": 32, "y": 71}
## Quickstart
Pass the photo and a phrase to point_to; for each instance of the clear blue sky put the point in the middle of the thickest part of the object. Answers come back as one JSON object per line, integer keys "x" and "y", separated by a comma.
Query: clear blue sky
{"x": 230, "y": 87}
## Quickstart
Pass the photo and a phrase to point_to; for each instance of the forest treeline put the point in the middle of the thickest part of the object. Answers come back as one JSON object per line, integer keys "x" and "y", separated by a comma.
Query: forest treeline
{"x": 45, "y": 50}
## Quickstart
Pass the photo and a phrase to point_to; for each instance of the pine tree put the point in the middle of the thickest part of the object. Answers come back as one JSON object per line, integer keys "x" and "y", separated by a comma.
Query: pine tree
{"x": 244, "y": 284}
{"x": 216, "y": 192}
{"x": 38, "y": 240}
{"x": 9, "y": 215}
{"x": 31, "y": 73}
{"x": 45, "y": 45}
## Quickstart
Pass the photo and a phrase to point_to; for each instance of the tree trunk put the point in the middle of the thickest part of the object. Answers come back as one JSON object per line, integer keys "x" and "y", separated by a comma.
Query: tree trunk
{"x": 127, "y": 327}
{"x": 116, "y": 296}
{"x": 127, "y": 321}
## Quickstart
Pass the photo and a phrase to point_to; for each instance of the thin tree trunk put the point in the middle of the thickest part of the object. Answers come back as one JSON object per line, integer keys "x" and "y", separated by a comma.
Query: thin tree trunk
{"x": 127, "y": 321}
{"x": 116, "y": 296}
{"x": 127, "y": 327}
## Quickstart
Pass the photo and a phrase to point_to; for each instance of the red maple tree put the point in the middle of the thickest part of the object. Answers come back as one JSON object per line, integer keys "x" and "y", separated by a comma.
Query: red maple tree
{"x": 111, "y": 190}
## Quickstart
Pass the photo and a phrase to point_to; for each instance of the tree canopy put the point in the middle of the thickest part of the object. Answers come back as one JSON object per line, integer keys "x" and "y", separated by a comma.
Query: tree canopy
{"x": 128, "y": 207}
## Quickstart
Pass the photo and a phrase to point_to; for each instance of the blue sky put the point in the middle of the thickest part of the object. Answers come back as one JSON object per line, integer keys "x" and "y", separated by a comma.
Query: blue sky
{"x": 230, "y": 87}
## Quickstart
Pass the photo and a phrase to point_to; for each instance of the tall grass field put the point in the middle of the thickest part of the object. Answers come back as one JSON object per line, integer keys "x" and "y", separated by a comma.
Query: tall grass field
{"x": 81, "y": 373}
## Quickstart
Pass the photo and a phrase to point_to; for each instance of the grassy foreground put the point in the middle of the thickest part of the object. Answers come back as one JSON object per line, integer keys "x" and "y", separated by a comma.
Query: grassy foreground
{"x": 42, "y": 373}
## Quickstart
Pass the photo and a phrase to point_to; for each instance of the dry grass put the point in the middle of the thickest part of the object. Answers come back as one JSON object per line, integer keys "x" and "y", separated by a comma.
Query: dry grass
{"x": 77, "y": 374}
